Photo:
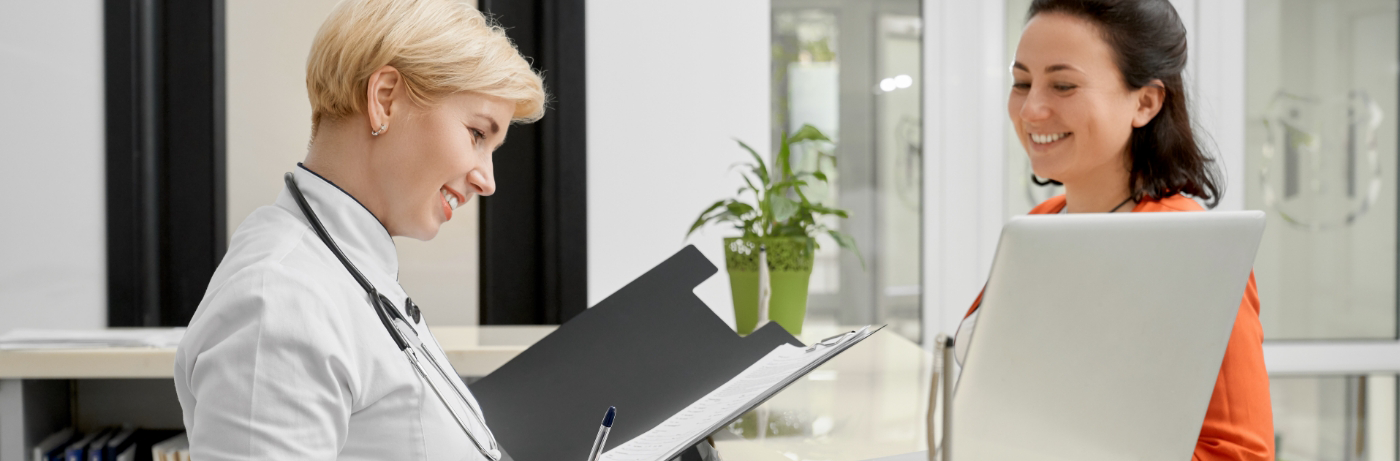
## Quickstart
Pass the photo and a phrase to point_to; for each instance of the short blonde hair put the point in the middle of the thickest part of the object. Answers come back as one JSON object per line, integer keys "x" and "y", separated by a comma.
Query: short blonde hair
{"x": 440, "y": 47}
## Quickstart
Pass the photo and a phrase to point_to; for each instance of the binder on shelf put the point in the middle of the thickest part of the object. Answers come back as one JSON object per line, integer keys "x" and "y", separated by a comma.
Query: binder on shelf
{"x": 77, "y": 450}
{"x": 128, "y": 454}
{"x": 119, "y": 443}
{"x": 94, "y": 450}
{"x": 652, "y": 349}
{"x": 140, "y": 442}
{"x": 53, "y": 446}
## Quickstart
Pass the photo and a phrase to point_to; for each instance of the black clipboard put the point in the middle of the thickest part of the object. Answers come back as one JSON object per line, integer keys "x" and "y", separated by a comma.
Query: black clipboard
{"x": 650, "y": 349}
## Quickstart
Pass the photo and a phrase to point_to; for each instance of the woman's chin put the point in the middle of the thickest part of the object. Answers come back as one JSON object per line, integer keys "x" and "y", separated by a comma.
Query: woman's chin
{"x": 429, "y": 232}
{"x": 1047, "y": 165}
{"x": 424, "y": 231}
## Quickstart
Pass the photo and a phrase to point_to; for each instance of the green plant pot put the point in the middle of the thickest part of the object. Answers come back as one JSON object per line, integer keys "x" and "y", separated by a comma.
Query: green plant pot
{"x": 789, "y": 270}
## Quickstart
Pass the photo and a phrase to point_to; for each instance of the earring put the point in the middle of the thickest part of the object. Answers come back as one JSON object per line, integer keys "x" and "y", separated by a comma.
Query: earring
{"x": 381, "y": 129}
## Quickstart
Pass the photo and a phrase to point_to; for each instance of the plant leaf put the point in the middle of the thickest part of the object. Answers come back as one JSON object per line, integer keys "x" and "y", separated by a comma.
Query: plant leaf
{"x": 783, "y": 208}
{"x": 778, "y": 186}
{"x": 784, "y": 154}
{"x": 756, "y": 191}
{"x": 739, "y": 208}
{"x": 825, "y": 210}
{"x": 701, "y": 220}
{"x": 819, "y": 175}
{"x": 808, "y": 133}
{"x": 802, "y": 196}
{"x": 761, "y": 169}
{"x": 848, "y": 243}
{"x": 789, "y": 230}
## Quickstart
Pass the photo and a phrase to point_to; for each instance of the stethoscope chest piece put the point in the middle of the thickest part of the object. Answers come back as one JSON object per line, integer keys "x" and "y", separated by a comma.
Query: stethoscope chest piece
{"x": 413, "y": 310}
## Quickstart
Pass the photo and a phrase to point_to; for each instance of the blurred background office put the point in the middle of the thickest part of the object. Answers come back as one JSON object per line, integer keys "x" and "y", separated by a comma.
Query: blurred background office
{"x": 139, "y": 133}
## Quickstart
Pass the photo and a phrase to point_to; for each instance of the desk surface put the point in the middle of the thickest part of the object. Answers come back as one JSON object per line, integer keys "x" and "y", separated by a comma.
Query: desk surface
{"x": 868, "y": 402}
{"x": 474, "y": 351}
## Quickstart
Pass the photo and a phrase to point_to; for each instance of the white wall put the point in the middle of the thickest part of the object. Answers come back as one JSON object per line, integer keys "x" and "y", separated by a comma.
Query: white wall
{"x": 269, "y": 126}
{"x": 670, "y": 84}
{"x": 52, "y": 221}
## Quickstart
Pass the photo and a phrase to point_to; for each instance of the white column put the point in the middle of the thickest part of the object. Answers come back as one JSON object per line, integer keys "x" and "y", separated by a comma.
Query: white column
{"x": 1217, "y": 91}
{"x": 670, "y": 86}
{"x": 964, "y": 151}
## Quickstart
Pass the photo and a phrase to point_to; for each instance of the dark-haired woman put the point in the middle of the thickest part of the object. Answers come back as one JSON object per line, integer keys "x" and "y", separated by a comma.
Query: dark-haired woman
{"x": 1099, "y": 106}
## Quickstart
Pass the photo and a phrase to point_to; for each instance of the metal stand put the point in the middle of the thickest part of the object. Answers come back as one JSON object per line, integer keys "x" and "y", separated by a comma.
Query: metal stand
{"x": 942, "y": 379}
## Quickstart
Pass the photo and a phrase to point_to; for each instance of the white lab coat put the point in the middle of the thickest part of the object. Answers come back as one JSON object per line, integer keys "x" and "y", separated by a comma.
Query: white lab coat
{"x": 286, "y": 358}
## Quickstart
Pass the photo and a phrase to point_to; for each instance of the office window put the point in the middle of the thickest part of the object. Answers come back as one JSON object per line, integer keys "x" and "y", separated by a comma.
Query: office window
{"x": 1321, "y": 158}
{"x": 852, "y": 69}
{"x": 1343, "y": 418}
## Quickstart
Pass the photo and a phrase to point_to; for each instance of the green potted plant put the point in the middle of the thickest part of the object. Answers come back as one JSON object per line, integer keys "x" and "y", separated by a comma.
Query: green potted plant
{"x": 784, "y": 221}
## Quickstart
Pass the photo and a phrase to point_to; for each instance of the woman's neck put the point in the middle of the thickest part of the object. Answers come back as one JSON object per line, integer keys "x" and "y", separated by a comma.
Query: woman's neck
{"x": 336, "y": 156}
{"x": 1101, "y": 191}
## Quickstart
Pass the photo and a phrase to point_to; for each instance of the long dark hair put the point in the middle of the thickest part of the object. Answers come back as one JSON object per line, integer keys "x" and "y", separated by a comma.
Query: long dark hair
{"x": 1149, "y": 42}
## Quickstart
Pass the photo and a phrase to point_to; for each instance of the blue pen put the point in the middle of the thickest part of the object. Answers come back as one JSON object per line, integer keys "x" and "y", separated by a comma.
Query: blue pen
{"x": 602, "y": 434}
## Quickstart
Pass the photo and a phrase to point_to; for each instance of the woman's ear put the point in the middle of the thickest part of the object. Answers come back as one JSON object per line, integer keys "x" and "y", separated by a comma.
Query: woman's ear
{"x": 383, "y": 86}
{"x": 1149, "y": 102}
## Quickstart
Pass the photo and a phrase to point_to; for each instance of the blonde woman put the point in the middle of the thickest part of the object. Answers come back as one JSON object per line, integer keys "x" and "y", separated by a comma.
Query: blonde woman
{"x": 305, "y": 346}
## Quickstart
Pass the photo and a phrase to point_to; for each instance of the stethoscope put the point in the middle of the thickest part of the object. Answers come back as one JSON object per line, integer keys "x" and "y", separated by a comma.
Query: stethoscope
{"x": 403, "y": 334}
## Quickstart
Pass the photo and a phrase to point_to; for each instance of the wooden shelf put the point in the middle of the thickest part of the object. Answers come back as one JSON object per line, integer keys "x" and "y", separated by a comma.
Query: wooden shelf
{"x": 473, "y": 351}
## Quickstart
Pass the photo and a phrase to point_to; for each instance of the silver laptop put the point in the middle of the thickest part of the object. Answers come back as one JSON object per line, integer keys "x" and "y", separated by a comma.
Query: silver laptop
{"x": 1100, "y": 336}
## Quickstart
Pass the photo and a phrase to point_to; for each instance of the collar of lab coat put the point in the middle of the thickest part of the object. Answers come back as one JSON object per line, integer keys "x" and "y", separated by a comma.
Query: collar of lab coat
{"x": 356, "y": 231}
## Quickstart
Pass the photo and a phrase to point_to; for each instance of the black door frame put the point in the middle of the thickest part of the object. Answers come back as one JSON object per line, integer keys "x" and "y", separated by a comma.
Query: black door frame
{"x": 534, "y": 239}
{"x": 166, "y": 229}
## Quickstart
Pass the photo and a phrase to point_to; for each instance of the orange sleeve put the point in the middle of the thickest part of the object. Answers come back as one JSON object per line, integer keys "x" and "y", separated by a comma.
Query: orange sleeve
{"x": 1239, "y": 422}
{"x": 975, "y": 304}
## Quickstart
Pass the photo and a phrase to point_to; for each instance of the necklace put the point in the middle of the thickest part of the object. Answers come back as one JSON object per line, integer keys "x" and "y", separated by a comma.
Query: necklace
{"x": 1120, "y": 204}
{"x": 1065, "y": 209}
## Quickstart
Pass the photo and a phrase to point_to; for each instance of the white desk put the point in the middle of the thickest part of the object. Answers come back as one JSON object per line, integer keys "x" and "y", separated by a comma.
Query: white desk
{"x": 866, "y": 403}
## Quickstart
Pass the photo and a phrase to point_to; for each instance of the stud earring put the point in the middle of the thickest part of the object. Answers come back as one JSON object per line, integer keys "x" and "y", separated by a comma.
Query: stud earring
{"x": 381, "y": 129}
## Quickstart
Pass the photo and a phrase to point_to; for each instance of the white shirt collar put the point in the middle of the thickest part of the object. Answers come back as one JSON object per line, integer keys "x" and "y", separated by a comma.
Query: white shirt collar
{"x": 355, "y": 229}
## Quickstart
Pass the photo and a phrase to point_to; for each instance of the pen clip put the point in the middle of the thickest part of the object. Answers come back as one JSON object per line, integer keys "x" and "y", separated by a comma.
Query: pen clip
{"x": 830, "y": 341}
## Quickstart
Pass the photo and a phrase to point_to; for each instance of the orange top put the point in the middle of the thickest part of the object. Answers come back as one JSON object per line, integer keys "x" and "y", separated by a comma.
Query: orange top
{"x": 1239, "y": 423}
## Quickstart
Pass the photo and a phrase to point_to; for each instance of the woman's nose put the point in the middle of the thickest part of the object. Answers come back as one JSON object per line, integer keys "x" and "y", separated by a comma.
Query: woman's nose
{"x": 1034, "y": 108}
{"x": 482, "y": 180}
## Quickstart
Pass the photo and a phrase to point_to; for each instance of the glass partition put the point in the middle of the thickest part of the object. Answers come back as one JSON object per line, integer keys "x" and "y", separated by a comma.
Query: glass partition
{"x": 1320, "y": 134}
{"x": 852, "y": 69}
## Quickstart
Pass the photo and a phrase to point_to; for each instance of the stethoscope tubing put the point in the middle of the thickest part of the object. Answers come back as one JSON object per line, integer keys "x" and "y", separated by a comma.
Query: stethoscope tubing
{"x": 381, "y": 305}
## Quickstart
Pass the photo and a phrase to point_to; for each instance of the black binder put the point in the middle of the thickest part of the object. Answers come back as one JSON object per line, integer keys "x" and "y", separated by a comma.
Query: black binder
{"x": 650, "y": 349}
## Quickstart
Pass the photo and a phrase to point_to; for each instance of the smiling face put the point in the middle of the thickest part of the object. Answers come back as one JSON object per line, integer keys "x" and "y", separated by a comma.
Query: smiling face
{"x": 1069, "y": 105}
{"x": 434, "y": 159}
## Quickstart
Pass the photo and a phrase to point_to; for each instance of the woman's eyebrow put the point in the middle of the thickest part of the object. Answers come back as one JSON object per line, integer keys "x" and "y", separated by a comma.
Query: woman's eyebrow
{"x": 495, "y": 127}
{"x": 1048, "y": 69}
